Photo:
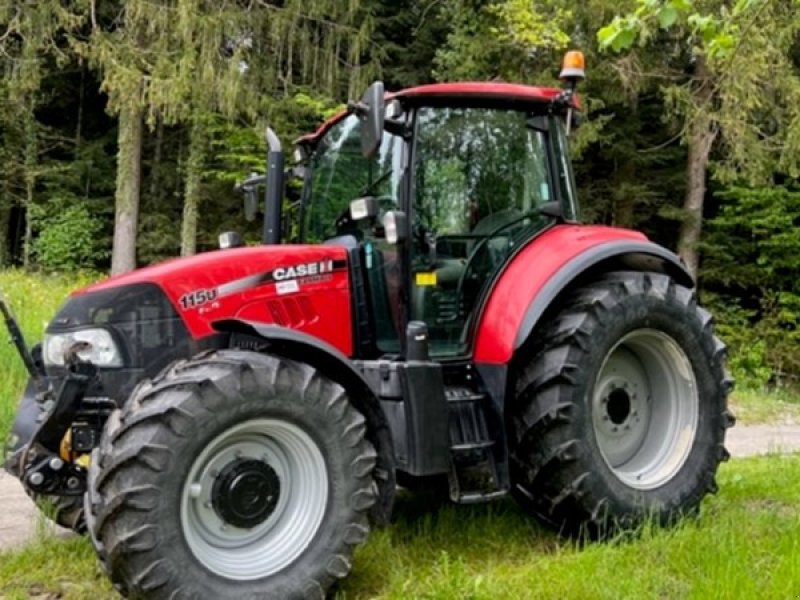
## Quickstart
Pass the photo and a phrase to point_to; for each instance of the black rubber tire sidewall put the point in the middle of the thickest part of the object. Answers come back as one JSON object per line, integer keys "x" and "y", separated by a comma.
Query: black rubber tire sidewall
{"x": 166, "y": 558}
{"x": 558, "y": 471}
{"x": 670, "y": 317}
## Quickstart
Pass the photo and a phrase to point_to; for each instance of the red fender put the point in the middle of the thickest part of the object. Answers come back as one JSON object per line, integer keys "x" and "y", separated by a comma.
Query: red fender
{"x": 545, "y": 267}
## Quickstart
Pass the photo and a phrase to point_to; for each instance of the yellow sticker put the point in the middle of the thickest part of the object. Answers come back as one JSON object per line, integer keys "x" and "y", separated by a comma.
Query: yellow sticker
{"x": 426, "y": 278}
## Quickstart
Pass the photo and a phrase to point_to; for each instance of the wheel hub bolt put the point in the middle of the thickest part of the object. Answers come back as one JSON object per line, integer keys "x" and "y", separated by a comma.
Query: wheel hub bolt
{"x": 36, "y": 479}
{"x": 56, "y": 463}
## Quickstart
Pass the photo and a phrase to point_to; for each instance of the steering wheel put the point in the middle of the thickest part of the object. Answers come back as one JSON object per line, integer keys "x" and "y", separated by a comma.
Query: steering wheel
{"x": 488, "y": 237}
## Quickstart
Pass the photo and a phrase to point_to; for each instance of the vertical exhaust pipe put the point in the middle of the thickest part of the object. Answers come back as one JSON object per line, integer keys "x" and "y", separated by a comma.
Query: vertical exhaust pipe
{"x": 274, "y": 194}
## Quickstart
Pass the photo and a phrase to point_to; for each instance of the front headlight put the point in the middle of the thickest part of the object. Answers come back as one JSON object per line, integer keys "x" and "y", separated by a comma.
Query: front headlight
{"x": 103, "y": 351}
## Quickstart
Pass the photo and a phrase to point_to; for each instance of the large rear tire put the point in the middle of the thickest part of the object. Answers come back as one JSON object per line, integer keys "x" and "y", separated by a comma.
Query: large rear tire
{"x": 232, "y": 475}
{"x": 620, "y": 410}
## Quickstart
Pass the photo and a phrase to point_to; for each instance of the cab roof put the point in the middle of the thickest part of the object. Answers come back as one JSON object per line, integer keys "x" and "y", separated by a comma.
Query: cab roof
{"x": 467, "y": 91}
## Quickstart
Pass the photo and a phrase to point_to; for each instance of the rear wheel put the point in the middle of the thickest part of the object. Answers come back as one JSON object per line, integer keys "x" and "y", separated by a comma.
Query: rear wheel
{"x": 620, "y": 412}
{"x": 232, "y": 475}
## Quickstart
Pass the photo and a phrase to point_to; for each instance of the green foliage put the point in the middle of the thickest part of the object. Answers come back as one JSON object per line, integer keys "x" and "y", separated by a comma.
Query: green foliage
{"x": 501, "y": 39}
{"x": 752, "y": 261}
{"x": 714, "y": 57}
{"x": 69, "y": 238}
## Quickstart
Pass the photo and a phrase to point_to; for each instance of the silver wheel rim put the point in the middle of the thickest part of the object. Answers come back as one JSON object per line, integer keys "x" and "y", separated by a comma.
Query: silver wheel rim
{"x": 645, "y": 409}
{"x": 243, "y": 553}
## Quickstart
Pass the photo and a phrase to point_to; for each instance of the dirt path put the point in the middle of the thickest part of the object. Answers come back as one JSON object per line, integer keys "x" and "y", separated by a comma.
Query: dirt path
{"x": 19, "y": 519}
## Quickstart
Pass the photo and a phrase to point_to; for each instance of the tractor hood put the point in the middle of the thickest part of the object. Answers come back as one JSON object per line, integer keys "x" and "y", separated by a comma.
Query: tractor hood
{"x": 298, "y": 286}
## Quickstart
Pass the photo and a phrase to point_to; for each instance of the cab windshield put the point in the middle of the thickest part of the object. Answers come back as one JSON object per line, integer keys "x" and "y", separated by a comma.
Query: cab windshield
{"x": 340, "y": 173}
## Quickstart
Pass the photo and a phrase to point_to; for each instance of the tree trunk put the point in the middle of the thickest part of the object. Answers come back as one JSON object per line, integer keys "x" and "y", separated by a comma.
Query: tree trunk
{"x": 79, "y": 117}
{"x": 155, "y": 167}
{"x": 31, "y": 157}
{"x": 701, "y": 139}
{"x": 625, "y": 194}
{"x": 129, "y": 181}
{"x": 191, "y": 201}
{"x": 5, "y": 221}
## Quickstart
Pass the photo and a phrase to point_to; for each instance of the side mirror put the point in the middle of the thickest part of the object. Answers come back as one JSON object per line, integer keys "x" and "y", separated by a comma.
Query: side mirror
{"x": 371, "y": 111}
{"x": 249, "y": 187}
{"x": 395, "y": 226}
{"x": 552, "y": 209}
{"x": 364, "y": 208}
{"x": 230, "y": 239}
{"x": 250, "y": 203}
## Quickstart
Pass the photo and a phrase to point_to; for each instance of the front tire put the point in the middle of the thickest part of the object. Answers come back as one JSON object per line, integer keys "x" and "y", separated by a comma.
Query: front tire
{"x": 232, "y": 475}
{"x": 65, "y": 511}
{"x": 620, "y": 413}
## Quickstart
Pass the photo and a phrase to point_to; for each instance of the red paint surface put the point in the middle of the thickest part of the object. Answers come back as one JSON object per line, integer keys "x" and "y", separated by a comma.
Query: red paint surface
{"x": 467, "y": 89}
{"x": 320, "y": 308}
{"x": 525, "y": 277}
{"x": 481, "y": 89}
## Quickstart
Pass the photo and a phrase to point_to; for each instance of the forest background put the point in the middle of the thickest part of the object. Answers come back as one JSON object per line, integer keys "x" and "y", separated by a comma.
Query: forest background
{"x": 123, "y": 121}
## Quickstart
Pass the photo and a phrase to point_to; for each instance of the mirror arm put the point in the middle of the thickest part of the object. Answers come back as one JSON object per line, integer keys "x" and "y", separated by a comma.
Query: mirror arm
{"x": 398, "y": 127}
{"x": 357, "y": 107}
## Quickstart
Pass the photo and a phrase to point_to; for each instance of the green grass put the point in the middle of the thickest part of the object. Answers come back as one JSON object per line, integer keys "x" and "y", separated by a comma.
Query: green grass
{"x": 746, "y": 544}
{"x": 758, "y": 406}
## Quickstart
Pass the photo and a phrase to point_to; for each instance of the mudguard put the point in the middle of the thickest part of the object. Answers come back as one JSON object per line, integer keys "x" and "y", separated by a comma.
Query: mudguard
{"x": 546, "y": 267}
{"x": 335, "y": 365}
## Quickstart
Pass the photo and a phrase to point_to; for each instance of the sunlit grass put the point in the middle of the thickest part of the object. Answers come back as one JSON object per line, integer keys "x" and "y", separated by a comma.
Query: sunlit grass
{"x": 751, "y": 405}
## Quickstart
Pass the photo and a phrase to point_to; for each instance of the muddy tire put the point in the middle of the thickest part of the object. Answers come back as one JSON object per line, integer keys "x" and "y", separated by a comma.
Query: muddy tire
{"x": 620, "y": 410}
{"x": 66, "y": 511}
{"x": 232, "y": 475}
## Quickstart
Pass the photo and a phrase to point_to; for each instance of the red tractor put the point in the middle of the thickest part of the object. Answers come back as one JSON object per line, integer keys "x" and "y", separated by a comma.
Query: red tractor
{"x": 230, "y": 425}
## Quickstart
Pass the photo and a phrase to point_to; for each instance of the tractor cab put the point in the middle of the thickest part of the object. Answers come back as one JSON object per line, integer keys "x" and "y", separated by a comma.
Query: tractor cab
{"x": 456, "y": 180}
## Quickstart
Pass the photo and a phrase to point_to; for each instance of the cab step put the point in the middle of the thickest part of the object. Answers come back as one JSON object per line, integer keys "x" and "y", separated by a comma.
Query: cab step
{"x": 473, "y": 474}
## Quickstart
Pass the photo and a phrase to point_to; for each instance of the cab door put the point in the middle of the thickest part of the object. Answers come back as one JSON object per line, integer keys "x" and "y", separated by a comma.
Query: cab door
{"x": 480, "y": 177}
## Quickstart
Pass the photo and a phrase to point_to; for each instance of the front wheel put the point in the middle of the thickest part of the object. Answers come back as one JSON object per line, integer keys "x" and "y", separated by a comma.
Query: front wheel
{"x": 620, "y": 413}
{"x": 233, "y": 475}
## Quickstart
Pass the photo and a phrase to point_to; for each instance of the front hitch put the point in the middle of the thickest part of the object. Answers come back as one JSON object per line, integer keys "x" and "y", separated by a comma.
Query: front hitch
{"x": 37, "y": 460}
{"x": 42, "y": 469}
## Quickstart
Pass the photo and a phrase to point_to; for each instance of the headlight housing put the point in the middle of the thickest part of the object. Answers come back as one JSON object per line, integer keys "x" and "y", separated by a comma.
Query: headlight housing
{"x": 103, "y": 352}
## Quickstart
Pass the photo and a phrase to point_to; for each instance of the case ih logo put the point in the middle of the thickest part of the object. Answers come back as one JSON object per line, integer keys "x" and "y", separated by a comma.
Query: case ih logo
{"x": 286, "y": 280}
{"x": 303, "y": 270}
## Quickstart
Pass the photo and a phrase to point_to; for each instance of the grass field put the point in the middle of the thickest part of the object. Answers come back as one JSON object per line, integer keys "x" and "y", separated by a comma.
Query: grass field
{"x": 746, "y": 544}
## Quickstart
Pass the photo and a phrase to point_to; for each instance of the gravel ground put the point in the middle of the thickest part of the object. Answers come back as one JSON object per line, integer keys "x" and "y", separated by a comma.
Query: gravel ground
{"x": 19, "y": 521}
